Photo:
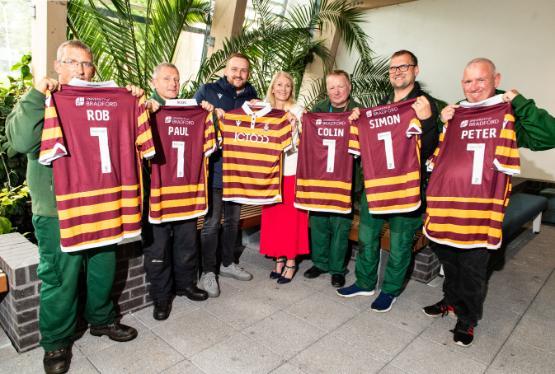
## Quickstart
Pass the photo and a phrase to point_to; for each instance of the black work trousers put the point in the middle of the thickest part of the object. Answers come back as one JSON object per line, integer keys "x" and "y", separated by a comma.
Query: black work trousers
{"x": 465, "y": 283}
{"x": 209, "y": 236}
{"x": 171, "y": 259}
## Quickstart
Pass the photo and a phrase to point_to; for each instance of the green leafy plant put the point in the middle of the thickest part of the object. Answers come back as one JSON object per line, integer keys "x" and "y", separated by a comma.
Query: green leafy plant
{"x": 14, "y": 209}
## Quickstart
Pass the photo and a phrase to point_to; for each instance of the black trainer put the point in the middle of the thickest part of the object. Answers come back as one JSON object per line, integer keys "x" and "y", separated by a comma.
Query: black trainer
{"x": 115, "y": 331}
{"x": 440, "y": 308}
{"x": 313, "y": 272}
{"x": 463, "y": 334}
{"x": 57, "y": 362}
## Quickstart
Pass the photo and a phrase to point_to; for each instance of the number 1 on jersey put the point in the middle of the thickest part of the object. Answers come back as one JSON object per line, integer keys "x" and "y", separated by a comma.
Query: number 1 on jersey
{"x": 102, "y": 134}
{"x": 388, "y": 144}
{"x": 478, "y": 161}
{"x": 180, "y": 146}
{"x": 330, "y": 164}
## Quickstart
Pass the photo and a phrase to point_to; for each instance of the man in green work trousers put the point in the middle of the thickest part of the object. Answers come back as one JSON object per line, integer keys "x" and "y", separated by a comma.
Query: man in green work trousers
{"x": 403, "y": 70}
{"x": 329, "y": 232}
{"x": 59, "y": 271}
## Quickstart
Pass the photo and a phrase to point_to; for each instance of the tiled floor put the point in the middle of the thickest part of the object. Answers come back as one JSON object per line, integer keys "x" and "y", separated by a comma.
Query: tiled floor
{"x": 303, "y": 327}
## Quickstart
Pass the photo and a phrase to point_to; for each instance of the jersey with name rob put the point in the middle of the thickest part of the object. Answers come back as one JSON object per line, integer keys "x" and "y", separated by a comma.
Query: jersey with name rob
{"x": 387, "y": 139}
{"x": 325, "y": 166}
{"x": 184, "y": 138}
{"x": 94, "y": 137}
{"x": 471, "y": 176}
{"x": 253, "y": 144}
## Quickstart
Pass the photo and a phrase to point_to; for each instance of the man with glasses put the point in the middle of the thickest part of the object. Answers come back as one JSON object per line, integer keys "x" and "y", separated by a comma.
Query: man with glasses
{"x": 59, "y": 271}
{"x": 403, "y": 70}
{"x": 465, "y": 283}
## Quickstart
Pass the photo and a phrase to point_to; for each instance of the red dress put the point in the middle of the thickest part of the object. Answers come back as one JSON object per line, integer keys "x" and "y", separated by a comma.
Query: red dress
{"x": 284, "y": 228}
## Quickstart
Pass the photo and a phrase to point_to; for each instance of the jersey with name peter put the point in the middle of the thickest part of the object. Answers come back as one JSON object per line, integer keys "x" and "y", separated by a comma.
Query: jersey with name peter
{"x": 184, "y": 138}
{"x": 253, "y": 142}
{"x": 325, "y": 166}
{"x": 470, "y": 184}
{"x": 94, "y": 137}
{"x": 387, "y": 139}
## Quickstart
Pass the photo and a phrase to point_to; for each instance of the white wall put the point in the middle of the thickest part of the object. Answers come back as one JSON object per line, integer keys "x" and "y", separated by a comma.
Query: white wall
{"x": 519, "y": 36}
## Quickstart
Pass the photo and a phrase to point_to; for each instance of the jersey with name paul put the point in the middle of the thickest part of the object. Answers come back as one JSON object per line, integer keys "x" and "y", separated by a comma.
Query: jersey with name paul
{"x": 253, "y": 144}
{"x": 94, "y": 137}
{"x": 324, "y": 167}
{"x": 471, "y": 176}
{"x": 184, "y": 138}
{"x": 387, "y": 138}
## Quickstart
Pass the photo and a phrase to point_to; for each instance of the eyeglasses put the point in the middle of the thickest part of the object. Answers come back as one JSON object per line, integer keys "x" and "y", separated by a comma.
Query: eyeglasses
{"x": 76, "y": 64}
{"x": 401, "y": 68}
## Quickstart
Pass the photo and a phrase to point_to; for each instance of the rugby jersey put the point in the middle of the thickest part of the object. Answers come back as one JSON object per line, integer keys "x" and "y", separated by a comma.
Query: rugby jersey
{"x": 471, "y": 180}
{"x": 94, "y": 137}
{"x": 387, "y": 139}
{"x": 324, "y": 167}
{"x": 184, "y": 138}
{"x": 253, "y": 144}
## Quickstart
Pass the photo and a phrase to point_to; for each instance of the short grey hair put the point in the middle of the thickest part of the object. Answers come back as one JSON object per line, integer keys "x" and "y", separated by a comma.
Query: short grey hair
{"x": 159, "y": 67}
{"x": 73, "y": 44}
{"x": 484, "y": 60}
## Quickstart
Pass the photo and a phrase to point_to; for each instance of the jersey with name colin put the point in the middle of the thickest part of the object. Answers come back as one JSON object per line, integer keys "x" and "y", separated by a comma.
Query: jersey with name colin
{"x": 325, "y": 167}
{"x": 253, "y": 144}
{"x": 471, "y": 180}
{"x": 184, "y": 138}
{"x": 94, "y": 138}
{"x": 387, "y": 138}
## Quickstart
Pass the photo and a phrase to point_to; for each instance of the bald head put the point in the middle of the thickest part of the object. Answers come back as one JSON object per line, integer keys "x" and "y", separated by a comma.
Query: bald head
{"x": 480, "y": 79}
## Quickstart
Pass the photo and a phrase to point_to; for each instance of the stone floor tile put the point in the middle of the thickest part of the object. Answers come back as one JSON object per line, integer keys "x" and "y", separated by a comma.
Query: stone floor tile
{"x": 536, "y": 331}
{"x": 282, "y": 295}
{"x": 180, "y": 305}
{"x": 287, "y": 368}
{"x": 517, "y": 357}
{"x": 192, "y": 332}
{"x": 427, "y": 357}
{"x": 492, "y": 331}
{"x": 82, "y": 366}
{"x": 330, "y": 355}
{"x": 28, "y": 362}
{"x": 238, "y": 354}
{"x": 360, "y": 303}
{"x": 370, "y": 333}
{"x": 322, "y": 312}
{"x": 390, "y": 369}
{"x": 284, "y": 333}
{"x": 146, "y": 354}
{"x": 183, "y": 367}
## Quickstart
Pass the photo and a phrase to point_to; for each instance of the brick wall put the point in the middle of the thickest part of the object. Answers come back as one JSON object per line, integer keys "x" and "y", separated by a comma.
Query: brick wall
{"x": 20, "y": 306}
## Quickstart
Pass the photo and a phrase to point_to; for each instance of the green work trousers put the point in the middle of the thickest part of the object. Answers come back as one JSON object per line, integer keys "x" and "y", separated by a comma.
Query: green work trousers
{"x": 329, "y": 239}
{"x": 59, "y": 273}
{"x": 402, "y": 230}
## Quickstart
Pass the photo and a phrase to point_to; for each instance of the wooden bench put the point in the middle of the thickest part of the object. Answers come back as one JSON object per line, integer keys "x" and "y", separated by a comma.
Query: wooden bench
{"x": 420, "y": 241}
{"x": 250, "y": 217}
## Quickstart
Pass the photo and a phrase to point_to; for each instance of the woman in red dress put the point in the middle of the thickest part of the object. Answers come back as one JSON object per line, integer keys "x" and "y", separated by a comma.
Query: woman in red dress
{"x": 284, "y": 228}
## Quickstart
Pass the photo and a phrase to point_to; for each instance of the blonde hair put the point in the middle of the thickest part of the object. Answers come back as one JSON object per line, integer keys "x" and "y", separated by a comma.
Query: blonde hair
{"x": 270, "y": 97}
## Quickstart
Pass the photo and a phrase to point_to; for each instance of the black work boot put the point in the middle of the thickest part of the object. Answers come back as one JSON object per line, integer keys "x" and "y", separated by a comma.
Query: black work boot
{"x": 57, "y": 362}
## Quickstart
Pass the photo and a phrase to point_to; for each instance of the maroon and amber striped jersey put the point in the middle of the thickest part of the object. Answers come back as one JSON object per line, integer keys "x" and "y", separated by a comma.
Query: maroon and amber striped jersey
{"x": 324, "y": 167}
{"x": 253, "y": 144}
{"x": 387, "y": 139}
{"x": 94, "y": 138}
{"x": 471, "y": 180}
{"x": 184, "y": 138}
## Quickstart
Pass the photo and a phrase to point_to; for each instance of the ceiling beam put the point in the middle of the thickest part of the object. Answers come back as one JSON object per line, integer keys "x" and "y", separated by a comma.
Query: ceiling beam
{"x": 372, "y": 4}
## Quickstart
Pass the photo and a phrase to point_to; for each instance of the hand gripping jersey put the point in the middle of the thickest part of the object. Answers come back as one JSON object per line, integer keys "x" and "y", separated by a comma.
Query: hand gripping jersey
{"x": 253, "y": 144}
{"x": 184, "y": 138}
{"x": 324, "y": 167}
{"x": 470, "y": 184}
{"x": 386, "y": 138}
{"x": 94, "y": 137}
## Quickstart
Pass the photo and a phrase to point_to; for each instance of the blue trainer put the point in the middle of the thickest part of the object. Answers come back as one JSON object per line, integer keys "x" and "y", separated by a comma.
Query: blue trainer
{"x": 383, "y": 302}
{"x": 354, "y": 290}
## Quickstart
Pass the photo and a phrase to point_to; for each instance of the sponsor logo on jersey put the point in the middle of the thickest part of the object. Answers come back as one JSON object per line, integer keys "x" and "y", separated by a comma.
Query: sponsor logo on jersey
{"x": 179, "y": 121}
{"x": 79, "y": 101}
{"x": 98, "y": 102}
{"x": 252, "y": 138}
{"x": 484, "y": 121}
{"x": 168, "y": 119}
{"x": 220, "y": 95}
{"x": 369, "y": 114}
{"x": 464, "y": 123}
{"x": 318, "y": 122}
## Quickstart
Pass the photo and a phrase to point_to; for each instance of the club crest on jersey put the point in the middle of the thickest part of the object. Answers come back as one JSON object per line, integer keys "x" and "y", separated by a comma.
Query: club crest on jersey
{"x": 220, "y": 95}
{"x": 318, "y": 122}
{"x": 464, "y": 123}
{"x": 238, "y": 122}
{"x": 168, "y": 119}
{"x": 266, "y": 127}
{"x": 79, "y": 101}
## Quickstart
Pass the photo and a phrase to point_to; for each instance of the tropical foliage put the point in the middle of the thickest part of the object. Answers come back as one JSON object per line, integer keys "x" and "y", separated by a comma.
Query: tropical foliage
{"x": 129, "y": 42}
